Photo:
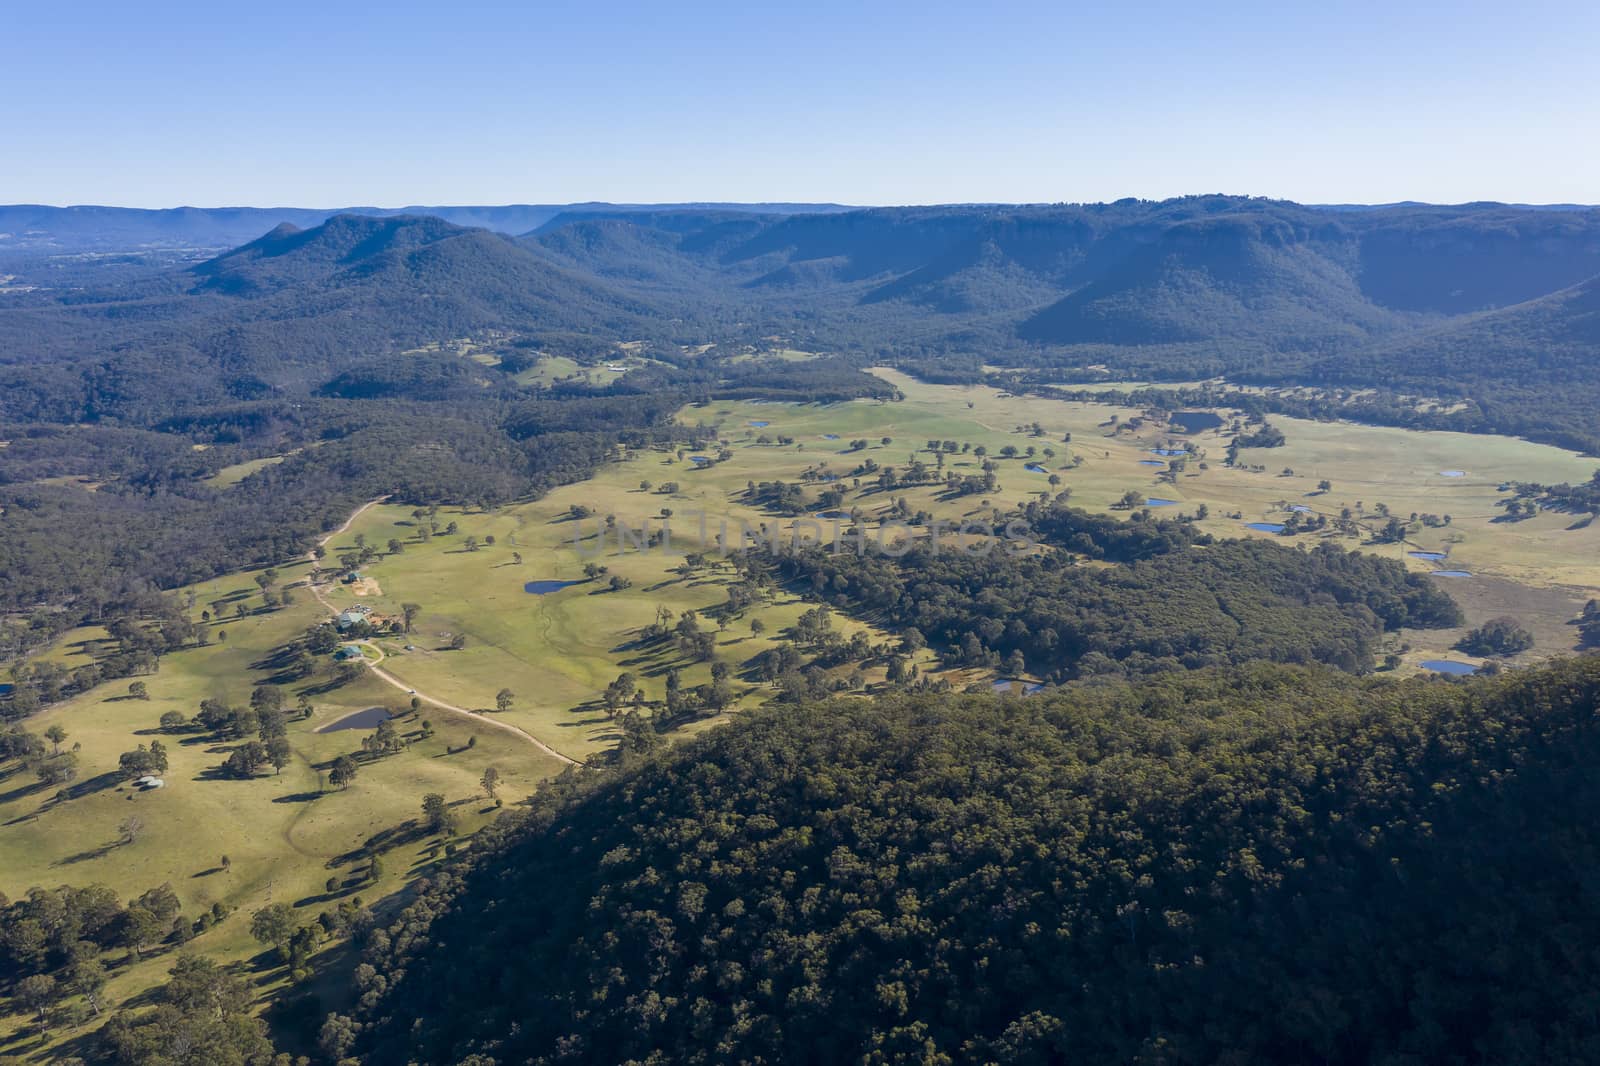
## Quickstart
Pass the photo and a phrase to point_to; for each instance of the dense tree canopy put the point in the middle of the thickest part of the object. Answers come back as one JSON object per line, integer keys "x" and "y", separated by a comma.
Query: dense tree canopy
{"x": 1263, "y": 865}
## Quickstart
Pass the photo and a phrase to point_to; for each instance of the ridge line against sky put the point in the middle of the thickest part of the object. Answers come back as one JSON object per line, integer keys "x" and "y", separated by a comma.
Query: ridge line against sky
{"x": 929, "y": 103}
{"x": 655, "y": 205}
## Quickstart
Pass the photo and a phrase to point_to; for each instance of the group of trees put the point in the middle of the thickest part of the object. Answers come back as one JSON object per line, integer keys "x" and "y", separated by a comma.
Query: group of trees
{"x": 1498, "y": 636}
{"x": 141, "y": 627}
{"x": 56, "y": 944}
{"x": 1178, "y": 604}
{"x": 1252, "y": 864}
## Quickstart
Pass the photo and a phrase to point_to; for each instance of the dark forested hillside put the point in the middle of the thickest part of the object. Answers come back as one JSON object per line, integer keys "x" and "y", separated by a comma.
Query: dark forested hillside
{"x": 1262, "y": 865}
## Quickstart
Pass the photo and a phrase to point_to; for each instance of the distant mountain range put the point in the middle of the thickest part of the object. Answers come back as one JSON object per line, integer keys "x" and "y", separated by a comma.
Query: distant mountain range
{"x": 36, "y": 228}
{"x": 1490, "y": 302}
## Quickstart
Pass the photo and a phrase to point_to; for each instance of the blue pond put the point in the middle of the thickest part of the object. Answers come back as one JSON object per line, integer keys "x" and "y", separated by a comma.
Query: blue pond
{"x": 1449, "y": 666}
{"x": 5, "y": 689}
{"x": 1265, "y": 527}
{"x": 831, "y": 514}
{"x": 703, "y": 460}
{"x": 540, "y": 588}
{"x": 830, "y": 436}
{"x": 1151, "y": 462}
{"x": 1157, "y": 501}
{"x": 760, "y": 425}
{"x": 1036, "y": 468}
{"x": 1452, "y": 573}
{"x": 1452, "y": 473}
{"x": 1169, "y": 451}
{"x": 1010, "y": 685}
{"x": 1196, "y": 421}
{"x": 1427, "y": 555}
{"x": 370, "y": 718}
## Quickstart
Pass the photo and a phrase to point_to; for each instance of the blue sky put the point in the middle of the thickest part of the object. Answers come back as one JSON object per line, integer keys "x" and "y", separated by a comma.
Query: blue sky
{"x": 159, "y": 104}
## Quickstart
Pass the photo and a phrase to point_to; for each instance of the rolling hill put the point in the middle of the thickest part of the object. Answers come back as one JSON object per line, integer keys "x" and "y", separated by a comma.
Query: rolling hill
{"x": 1264, "y": 865}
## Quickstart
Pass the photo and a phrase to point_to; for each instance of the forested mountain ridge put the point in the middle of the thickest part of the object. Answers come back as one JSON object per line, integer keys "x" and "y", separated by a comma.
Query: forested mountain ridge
{"x": 1259, "y": 865}
{"x": 285, "y": 313}
{"x": 1481, "y": 303}
{"x": 1436, "y": 301}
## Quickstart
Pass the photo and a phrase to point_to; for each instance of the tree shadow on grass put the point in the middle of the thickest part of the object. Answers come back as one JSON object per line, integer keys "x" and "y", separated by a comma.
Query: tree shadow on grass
{"x": 298, "y": 797}
{"x": 384, "y": 840}
{"x": 89, "y": 854}
{"x": 22, "y": 792}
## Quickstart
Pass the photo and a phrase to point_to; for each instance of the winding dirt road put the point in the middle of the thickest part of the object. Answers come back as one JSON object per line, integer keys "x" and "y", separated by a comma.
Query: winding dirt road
{"x": 379, "y": 672}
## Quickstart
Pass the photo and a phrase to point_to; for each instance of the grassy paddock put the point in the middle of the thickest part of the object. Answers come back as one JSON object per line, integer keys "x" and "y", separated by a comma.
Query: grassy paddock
{"x": 284, "y": 834}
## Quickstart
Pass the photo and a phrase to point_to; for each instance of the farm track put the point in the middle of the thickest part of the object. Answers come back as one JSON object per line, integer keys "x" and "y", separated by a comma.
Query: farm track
{"x": 386, "y": 676}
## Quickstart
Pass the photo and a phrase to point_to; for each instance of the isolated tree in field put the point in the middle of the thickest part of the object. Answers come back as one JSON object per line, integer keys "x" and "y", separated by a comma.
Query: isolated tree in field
{"x": 279, "y": 753}
{"x": 343, "y": 772}
{"x": 139, "y": 690}
{"x": 503, "y": 699}
{"x": 410, "y": 611}
{"x": 757, "y": 627}
{"x": 490, "y": 782}
{"x": 472, "y": 544}
{"x": 396, "y": 546}
{"x": 436, "y": 813}
{"x": 55, "y": 735}
{"x": 37, "y": 992}
{"x": 173, "y": 721}
{"x": 273, "y": 926}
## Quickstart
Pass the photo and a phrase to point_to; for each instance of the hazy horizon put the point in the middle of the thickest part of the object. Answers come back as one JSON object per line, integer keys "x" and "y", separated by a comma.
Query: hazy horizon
{"x": 465, "y": 204}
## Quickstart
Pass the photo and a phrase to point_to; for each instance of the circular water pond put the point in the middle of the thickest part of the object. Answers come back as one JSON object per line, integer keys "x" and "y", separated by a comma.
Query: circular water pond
{"x": 1265, "y": 527}
{"x": 1157, "y": 501}
{"x": 1451, "y": 573}
{"x": 1449, "y": 666}
{"x": 1151, "y": 462}
{"x": 761, "y": 425}
{"x": 1035, "y": 468}
{"x": 1428, "y": 555}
